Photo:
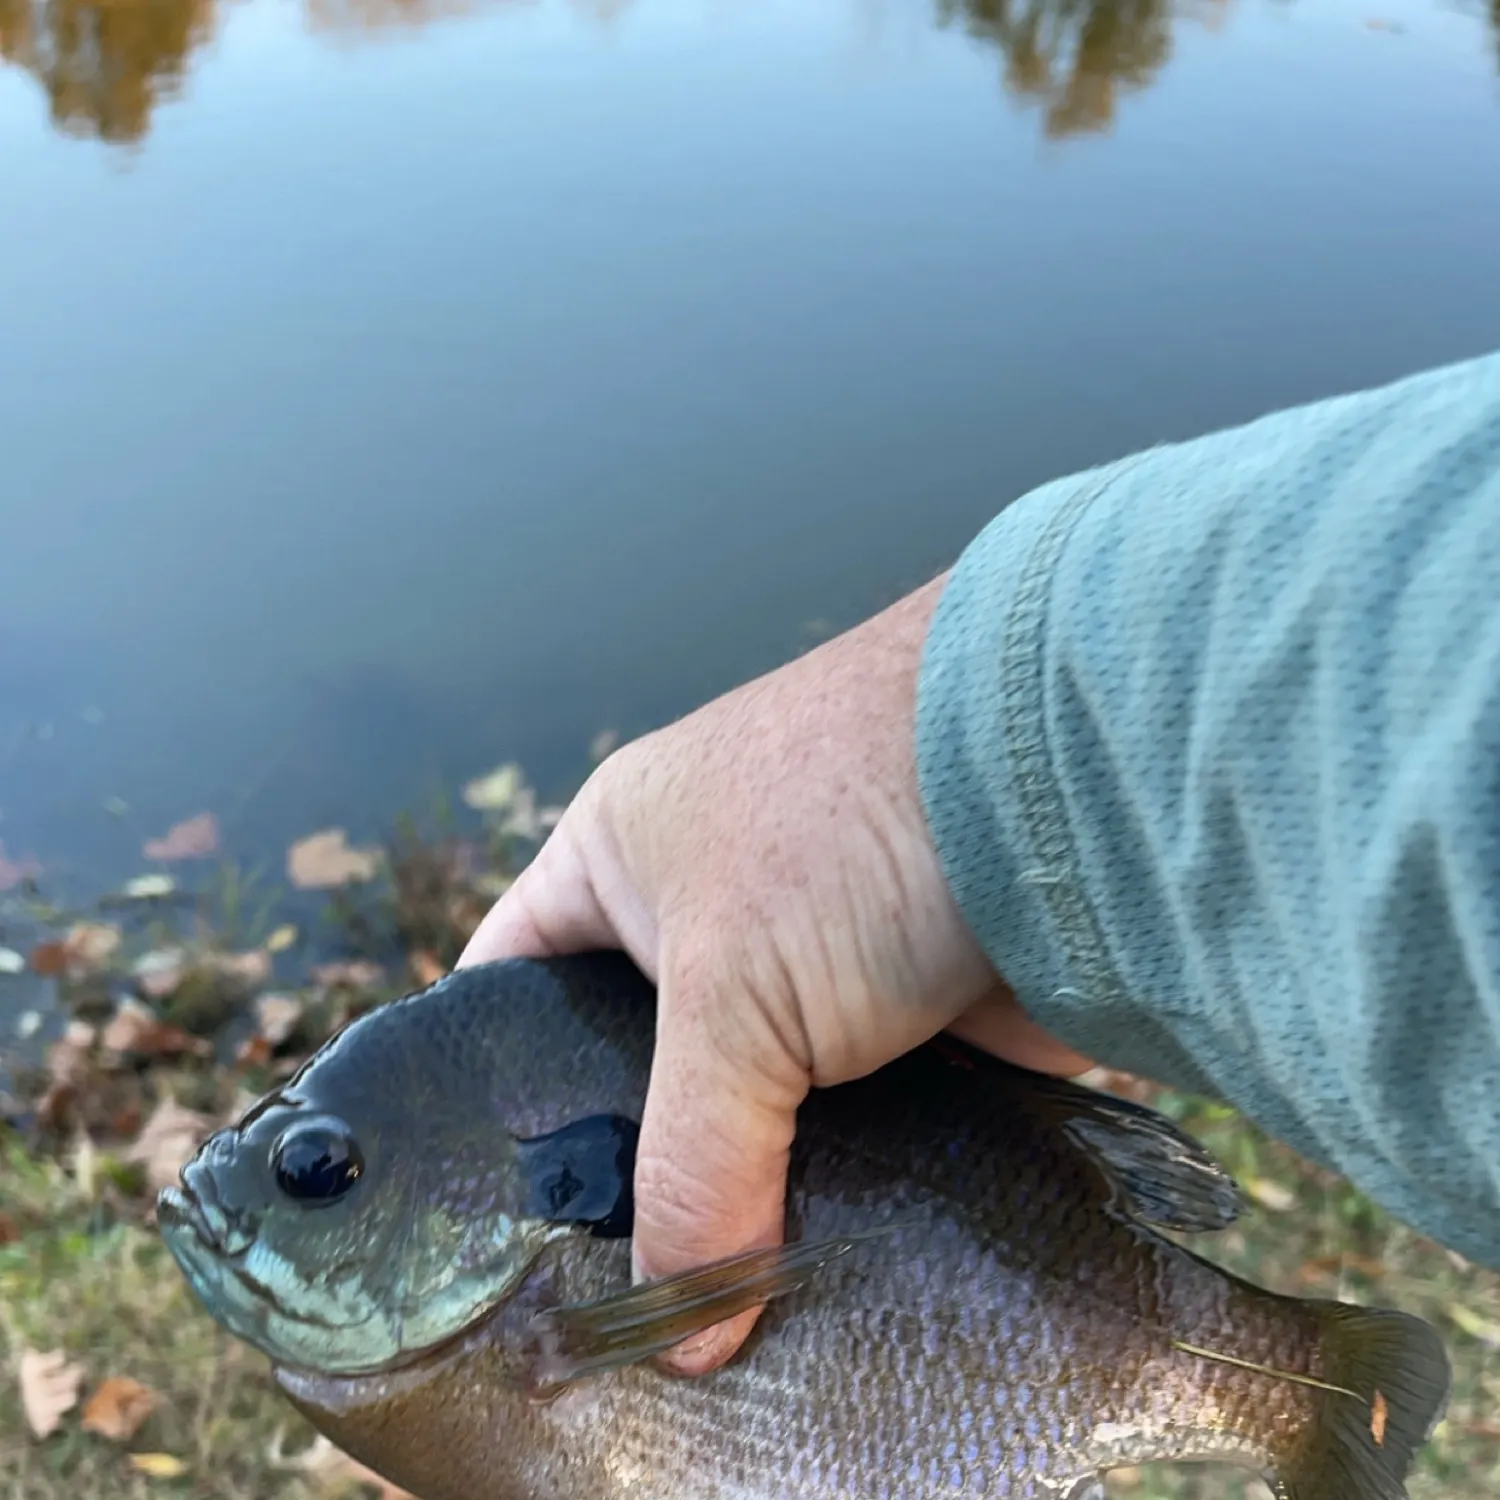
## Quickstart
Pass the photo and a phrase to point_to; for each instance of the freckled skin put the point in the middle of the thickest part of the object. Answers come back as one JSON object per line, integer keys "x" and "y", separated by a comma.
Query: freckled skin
{"x": 1011, "y": 1339}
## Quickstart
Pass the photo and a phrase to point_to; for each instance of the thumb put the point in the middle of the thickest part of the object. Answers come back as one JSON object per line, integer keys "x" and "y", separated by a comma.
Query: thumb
{"x": 711, "y": 1166}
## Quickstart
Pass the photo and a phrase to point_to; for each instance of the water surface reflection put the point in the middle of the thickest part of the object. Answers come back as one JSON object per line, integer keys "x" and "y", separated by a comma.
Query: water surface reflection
{"x": 105, "y": 65}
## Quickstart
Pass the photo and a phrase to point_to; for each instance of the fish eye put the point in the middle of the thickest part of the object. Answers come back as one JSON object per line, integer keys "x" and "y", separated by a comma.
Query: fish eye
{"x": 316, "y": 1162}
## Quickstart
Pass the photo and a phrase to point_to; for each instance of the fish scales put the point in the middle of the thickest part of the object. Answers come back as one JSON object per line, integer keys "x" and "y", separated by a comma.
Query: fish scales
{"x": 1014, "y": 1330}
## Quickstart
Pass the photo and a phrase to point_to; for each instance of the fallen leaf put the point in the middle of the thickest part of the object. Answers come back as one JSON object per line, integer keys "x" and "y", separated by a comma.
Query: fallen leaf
{"x": 194, "y": 838}
{"x": 49, "y": 1389}
{"x": 427, "y": 967}
{"x": 9, "y": 1234}
{"x": 354, "y": 974}
{"x": 49, "y": 959}
{"x": 137, "y": 1029}
{"x": 276, "y": 1017}
{"x": 148, "y": 888}
{"x": 91, "y": 945}
{"x": 325, "y": 860}
{"x": 69, "y": 1070}
{"x": 14, "y": 872}
{"x": 168, "y": 1139}
{"x": 1273, "y": 1195}
{"x": 159, "y": 972}
{"x": 118, "y": 1408}
{"x": 158, "y": 1465}
{"x": 331, "y": 1469}
{"x": 496, "y": 790}
{"x": 252, "y": 968}
{"x": 1338, "y": 1263}
{"x": 12, "y": 962}
{"x": 253, "y": 1052}
{"x": 282, "y": 939}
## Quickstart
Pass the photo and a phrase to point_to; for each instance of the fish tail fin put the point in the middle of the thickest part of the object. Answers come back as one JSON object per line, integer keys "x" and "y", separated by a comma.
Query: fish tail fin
{"x": 1394, "y": 1376}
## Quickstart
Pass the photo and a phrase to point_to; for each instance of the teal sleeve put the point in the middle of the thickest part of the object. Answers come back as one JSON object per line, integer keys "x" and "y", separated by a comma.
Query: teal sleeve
{"x": 1209, "y": 743}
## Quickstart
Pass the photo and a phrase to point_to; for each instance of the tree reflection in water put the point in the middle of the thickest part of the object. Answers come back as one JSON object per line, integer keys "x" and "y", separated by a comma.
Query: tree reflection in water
{"x": 106, "y": 64}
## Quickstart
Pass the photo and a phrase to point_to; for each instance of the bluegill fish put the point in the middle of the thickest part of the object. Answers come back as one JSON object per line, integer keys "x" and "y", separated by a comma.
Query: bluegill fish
{"x": 426, "y": 1230}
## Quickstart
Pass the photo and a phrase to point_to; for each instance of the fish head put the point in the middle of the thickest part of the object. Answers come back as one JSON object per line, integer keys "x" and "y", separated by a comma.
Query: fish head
{"x": 365, "y": 1212}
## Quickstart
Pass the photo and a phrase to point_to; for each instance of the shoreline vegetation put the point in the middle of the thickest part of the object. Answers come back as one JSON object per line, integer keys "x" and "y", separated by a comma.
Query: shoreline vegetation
{"x": 186, "y": 996}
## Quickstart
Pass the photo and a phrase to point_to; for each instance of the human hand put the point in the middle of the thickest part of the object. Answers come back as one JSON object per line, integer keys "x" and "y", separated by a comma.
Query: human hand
{"x": 767, "y": 862}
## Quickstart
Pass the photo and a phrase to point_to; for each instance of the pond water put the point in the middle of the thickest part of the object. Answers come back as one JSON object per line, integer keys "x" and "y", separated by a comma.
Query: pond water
{"x": 393, "y": 387}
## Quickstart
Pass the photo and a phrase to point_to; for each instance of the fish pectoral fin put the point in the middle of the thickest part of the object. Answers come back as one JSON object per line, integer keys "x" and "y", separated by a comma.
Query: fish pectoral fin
{"x": 626, "y": 1327}
{"x": 1162, "y": 1175}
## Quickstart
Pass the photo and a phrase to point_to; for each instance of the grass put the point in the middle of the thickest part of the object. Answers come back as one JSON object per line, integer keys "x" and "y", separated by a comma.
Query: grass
{"x": 82, "y": 1272}
{"x": 1310, "y": 1233}
{"x": 105, "y": 1291}
{"x": 85, "y": 1280}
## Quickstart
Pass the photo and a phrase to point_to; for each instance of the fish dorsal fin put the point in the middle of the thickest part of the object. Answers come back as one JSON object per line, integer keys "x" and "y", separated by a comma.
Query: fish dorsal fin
{"x": 1162, "y": 1175}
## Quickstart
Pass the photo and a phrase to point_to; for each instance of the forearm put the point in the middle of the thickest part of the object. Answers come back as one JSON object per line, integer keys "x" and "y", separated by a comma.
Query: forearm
{"x": 1209, "y": 742}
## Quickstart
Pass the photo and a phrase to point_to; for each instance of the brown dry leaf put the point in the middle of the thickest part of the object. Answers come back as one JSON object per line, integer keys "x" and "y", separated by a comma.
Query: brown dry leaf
{"x": 169, "y": 1138}
{"x": 71, "y": 1072}
{"x": 91, "y": 945}
{"x": 325, "y": 860}
{"x": 193, "y": 838}
{"x": 158, "y": 1465}
{"x": 118, "y": 1408}
{"x": 354, "y": 974}
{"x": 49, "y": 959}
{"x": 49, "y": 1389}
{"x": 1322, "y": 1267}
{"x": 9, "y": 1234}
{"x": 277, "y": 1017}
{"x": 135, "y": 1028}
{"x": 253, "y": 1052}
{"x": 252, "y": 968}
{"x": 427, "y": 967}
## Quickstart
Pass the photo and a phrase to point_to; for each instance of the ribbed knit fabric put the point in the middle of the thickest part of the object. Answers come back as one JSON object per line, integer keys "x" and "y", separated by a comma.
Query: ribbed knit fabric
{"x": 1209, "y": 742}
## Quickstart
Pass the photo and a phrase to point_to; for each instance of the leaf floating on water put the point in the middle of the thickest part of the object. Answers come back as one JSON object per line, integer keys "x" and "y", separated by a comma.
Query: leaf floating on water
{"x": 12, "y": 962}
{"x": 158, "y": 1465}
{"x": 49, "y": 1389}
{"x": 496, "y": 790}
{"x": 324, "y": 861}
{"x": 283, "y": 938}
{"x": 193, "y": 838}
{"x": 148, "y": 888}
{"x": 118, "y": 1408}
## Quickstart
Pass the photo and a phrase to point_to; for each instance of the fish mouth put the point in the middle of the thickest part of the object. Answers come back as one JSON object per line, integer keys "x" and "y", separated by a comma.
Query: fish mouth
{"x": 176, "y": 1209}
{"x": 195, "y": 1206}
